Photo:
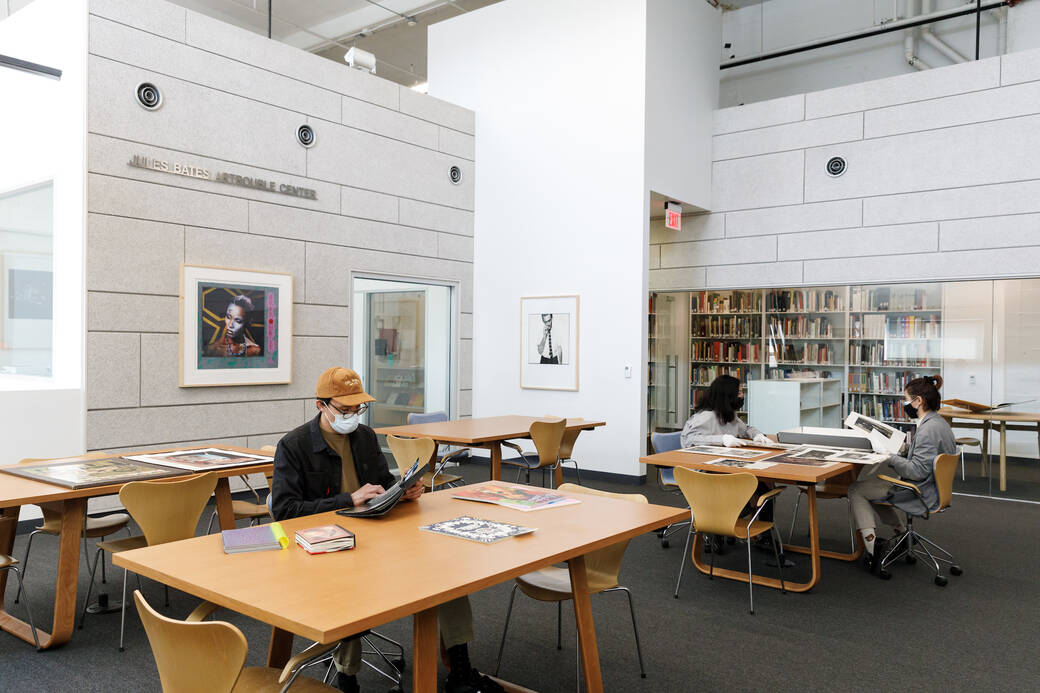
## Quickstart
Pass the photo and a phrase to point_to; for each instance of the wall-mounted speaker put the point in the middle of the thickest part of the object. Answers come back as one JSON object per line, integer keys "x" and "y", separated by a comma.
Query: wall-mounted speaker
{"x": 305, "y": 135}
{"x": 455, "y": 175}
{"x": 149, "y": 96}
{"x": 836, "y": 166}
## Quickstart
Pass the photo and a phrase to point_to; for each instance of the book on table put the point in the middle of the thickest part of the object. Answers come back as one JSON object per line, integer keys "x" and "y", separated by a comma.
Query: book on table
{"x": 385, "y": 501}
{"x": 325, "y": 539}
{"x": 476, "y": 529}
{"x": 268, "y": 537}
{"x": 513, "y": 496}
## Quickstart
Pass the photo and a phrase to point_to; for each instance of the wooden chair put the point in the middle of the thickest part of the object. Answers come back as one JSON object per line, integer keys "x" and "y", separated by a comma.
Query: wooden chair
{"x": 666, "y": 442}
{"x": 244, "y": 510}
{"x": 570, "y": 437}
{"x": 554, "y": 584}
{"x": 436, "y": 476}
{"x": 716, "y": 501}
{"x": 196, "y": 655}
{"x": 912, "y": 544}
{"x": 165, "y": 511}
{"x": 407, "y": 450}
{"x": 93, "y": 527}
{"x": 548, "y": 439}
{"x": 10, "y": 563}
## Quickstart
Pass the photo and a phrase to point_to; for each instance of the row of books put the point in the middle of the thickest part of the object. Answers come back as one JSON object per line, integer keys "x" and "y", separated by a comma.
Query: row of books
{"x": 726, "y": 302}
{"x": 727, "y": 326}
{"x": 885, "y": 409}
{"x": 802, "y": 326}
{"x": 731, "y": 352}
{"x": 785, "y": 373}
{"x": 815, "y": 354}
{"x": 893, "y": 382}
{"x": 901, "y": 298}
{"x": 868, "y": 327}
{"x": 881, "y": 353}
{"x": 811, "y": 300}
{"x": 703, "y": 375}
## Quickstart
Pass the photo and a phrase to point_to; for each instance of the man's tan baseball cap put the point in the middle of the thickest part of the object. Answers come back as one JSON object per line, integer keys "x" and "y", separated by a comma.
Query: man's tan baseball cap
{"x": 342, "y": 386}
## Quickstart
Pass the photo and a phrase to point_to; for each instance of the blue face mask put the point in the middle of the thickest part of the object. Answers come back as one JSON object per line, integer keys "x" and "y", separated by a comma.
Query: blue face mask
{"x": 344, "y": 424}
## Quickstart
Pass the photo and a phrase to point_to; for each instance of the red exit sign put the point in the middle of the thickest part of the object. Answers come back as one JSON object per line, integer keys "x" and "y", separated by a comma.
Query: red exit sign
{"x": 673, "y": 216}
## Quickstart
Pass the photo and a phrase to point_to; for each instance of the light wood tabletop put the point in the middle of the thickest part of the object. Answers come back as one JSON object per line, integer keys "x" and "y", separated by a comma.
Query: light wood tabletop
{"x": 485, "y": 432}
{"x": 331, "y": 596}
{"x": 1004, "y": 421}
{"x": 16, "y": 491}
{"x": 803, "y": 475}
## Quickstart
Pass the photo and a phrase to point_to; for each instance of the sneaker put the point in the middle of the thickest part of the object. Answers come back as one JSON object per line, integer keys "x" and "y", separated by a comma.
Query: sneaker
{"x": 470, "y": 682}
{"x": 346, "y": 683}
{"x": 872, "y": 561}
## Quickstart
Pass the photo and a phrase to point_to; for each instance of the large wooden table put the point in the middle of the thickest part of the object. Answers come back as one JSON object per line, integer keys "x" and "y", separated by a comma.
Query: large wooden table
{"x": 484, "y": 432}
{"x": 17, "y": 491}
{"x": 802, "y": 475}
{"x": 397, "y": 570}
{"x": 1002, "y": 421}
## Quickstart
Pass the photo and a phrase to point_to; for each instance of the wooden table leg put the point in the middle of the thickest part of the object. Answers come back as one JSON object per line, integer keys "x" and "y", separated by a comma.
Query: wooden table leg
{"x": 8, "y": 529}
{"x": 586, "y": 627}
{"x": 1003, "y": 456}
{"x": 279, "y": 650}
{"x": 425, "y": 644}
{"x": 984, "y": 468}
{"x": 496, "y": 460}
{"x": 225, "y": 511}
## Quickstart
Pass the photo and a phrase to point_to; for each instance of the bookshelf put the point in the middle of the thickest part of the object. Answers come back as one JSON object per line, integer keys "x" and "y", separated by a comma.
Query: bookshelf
{"x": 805, "y": 331}
{"x": 725, "y": 338}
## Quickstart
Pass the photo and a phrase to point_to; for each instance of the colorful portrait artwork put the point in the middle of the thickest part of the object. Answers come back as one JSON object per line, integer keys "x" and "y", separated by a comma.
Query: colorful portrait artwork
{"x": 238, "y": 326}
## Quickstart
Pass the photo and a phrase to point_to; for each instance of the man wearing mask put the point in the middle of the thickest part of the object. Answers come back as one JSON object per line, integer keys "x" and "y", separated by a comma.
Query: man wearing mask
{"x": 334, "y": 461}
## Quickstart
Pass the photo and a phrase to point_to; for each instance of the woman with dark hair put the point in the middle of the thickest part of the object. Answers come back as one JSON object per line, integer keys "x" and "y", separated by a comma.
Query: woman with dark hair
{"x": 933, "y": 437}
{"x": 235, "y": 341}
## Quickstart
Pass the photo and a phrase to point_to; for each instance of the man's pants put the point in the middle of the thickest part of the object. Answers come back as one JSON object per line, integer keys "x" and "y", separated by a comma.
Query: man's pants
{"x": 869, "y": 488}
{"x": 456, "y": 624}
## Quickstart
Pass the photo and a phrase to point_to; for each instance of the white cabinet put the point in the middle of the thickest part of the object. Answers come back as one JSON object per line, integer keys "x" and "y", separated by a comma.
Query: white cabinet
{"x": 776, "y": 405}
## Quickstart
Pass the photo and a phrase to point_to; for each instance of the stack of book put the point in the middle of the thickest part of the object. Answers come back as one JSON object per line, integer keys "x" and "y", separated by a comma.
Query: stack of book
{"x": 260, "y": 538}
{"x": 325, "y": 539}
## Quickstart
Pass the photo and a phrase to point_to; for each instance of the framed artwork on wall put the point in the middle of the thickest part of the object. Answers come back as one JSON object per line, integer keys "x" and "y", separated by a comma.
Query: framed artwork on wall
{"x": 236, "y": 327}
{"x": 549, "y": 346}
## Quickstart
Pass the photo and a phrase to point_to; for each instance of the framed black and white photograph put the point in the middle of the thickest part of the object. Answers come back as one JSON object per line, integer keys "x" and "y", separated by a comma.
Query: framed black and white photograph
{"x": 236, "y": 327}
{"x": 549, "y": 346}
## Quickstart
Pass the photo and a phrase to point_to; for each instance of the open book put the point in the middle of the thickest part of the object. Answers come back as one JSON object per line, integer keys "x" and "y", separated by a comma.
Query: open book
{"x": 976, "y": 408}
{"x": 889, "y": 438}
{"x": 385, "y": 501}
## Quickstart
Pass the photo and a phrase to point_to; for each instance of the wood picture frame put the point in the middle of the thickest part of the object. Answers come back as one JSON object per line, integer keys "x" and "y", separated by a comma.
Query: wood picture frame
{"x": 549, "y": 345}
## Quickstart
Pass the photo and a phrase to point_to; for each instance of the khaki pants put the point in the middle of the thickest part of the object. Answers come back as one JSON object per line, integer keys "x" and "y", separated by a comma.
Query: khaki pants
{"x": 456, "y": 624}
{"x": 868, "y": 488}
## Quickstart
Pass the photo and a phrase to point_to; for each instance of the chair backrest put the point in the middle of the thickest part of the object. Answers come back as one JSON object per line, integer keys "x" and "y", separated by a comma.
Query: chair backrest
{"x": 200, "y": 656}
{"x": 168, "y": 510}
{"x": 547, "y": 437}
{"x": 664, "y": 442}
{"x": 716, "y": 499}
{"x": 945, "y": 468}
{"x": 606, "y": 562}
{"x": 570, "y": 436}
{"x": 428, "y": 417}
{"x": 407, "y": 450}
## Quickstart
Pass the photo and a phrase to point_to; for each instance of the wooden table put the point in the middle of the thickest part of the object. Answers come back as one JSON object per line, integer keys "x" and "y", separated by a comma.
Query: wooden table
{"x": 484, "y": 432}
{"x": 1005, "y": 420}
{"x": 397, "y": 570}
{"x": 17, "y": 491}
{"x": 802, "y": 475}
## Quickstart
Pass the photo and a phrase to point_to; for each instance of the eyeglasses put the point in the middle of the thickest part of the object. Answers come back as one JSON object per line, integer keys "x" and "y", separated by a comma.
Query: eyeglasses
{"x": 359, "y": 410}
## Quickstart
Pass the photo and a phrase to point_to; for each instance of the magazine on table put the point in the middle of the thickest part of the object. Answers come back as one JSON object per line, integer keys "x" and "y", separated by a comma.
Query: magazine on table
{"x": 325, "y": 539}
{"x": 476, "y": 529}
{"x": 385, "y": 501}
{"x": 77, "y": 474}
{"x": 203, "y": 459}
{"x": 882, "y": 435}
{"x": 514, "y": 496}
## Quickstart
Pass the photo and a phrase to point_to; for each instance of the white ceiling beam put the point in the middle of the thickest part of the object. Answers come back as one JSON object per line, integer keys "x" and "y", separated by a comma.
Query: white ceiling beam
{"x": 350, "y": 23}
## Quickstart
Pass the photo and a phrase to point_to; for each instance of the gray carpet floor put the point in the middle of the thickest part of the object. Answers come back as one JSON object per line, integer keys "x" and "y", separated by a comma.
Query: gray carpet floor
{"x": 852, "y": 632}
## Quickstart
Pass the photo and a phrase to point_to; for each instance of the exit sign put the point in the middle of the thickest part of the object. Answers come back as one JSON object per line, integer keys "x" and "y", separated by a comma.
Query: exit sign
{"x": 673, "y": 216}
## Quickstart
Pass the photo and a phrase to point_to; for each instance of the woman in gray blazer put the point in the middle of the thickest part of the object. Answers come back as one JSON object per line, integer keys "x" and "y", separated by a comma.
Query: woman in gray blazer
{"x": 933, "y": 437}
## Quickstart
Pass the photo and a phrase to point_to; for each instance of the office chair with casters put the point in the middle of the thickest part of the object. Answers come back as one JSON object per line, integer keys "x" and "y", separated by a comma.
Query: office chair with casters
{"x": 436, "y": 476}
{"x": 716, "y": 501}
{"x": 548, "y": 439}
{"x": 93, "y": 527}
{"x": 912, "y": 544}
{"x": 165, "y": 511}
{"x": 197, "y": 655}
{"x": 554, "y": 584}
{"x": 10, "y": 563}
{"x": 666, "y": 442}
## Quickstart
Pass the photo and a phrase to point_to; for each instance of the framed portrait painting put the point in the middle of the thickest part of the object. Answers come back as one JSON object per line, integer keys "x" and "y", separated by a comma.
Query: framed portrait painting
{"x": 549, "y": 346}
{"x": 236, "y": 327}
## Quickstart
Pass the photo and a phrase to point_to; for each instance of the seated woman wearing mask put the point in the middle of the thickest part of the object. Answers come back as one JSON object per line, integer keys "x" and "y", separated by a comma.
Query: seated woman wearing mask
{"x": 933, "y": 437}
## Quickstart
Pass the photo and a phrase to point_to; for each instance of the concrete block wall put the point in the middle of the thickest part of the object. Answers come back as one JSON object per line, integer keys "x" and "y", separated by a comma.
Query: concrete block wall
{"x": 943, "y": 182}
{"x": 232, "y": 102}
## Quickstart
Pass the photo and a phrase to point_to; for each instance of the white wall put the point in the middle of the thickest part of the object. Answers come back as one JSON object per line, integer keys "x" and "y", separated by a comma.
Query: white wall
{"x": 559, "y": 91}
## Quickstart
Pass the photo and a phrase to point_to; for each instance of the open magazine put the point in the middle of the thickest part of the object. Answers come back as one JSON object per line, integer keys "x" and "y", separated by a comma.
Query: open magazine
{"x": 883, "y": 435}
{"x": 385, "y": 501}
{"x": 513, "y": 496}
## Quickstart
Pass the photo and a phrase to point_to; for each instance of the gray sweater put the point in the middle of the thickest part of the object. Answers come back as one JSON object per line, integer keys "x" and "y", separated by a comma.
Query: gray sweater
{"x": 704, "y": 428}
{"x": 933, "y": 437}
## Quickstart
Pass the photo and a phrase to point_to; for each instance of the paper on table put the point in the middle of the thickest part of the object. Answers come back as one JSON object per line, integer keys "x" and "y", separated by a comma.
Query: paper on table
{"x": 742, "y": 464}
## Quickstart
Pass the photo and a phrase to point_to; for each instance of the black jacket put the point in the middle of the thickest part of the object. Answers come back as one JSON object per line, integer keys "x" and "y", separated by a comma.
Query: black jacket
{"x": 308, "y": 473}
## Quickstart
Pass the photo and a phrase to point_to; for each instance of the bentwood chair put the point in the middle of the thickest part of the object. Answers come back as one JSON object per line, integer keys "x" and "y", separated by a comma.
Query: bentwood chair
{"x": 912, "y": 544}
{"x": 93, "y": 527}
{"x": 244, "y": 510}
{"x": 165, "y": 511}
{"x": 436, "y": 476}
{"x": 10, "y": 564}
{"x": 716, "y": 501}
{"x": 197, "y": 655}
{"x": 548, "y": 439}
{"x": 554, "y": 584}
{"x": 407, "y": 451}
{"x": 666, "y": 442}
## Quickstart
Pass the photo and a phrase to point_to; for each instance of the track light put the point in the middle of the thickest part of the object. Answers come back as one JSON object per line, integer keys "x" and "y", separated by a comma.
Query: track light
{"x": 411, "y": 21}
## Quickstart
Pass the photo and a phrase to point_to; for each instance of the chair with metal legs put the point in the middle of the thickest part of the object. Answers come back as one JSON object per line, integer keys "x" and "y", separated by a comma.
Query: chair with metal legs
{"x": 10, "y": 564}
{"x": 437, "y": 476}
{"x": 826, "y": 491}
{"x": 548, "y": 438}
{"x": 165, "y": 511}
{"x": 666, "y": 442}
{"x": 554, "y": 584}
{"x": 716, "y": 501}
{"x": 966, "y": 442}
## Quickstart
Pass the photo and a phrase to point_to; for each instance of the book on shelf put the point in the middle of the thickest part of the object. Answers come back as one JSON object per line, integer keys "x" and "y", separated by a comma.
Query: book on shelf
{"x": 476, "y": 529}
{"x": 701, "y": 376}
{"x": 881, "y": 382}
{"x": 801, "y": 326}
{"x": 325, "y": 539}
{"x": 726, "y": 302}
{"x": 270, "y": 537}
{"x": 888, "y": 298}
{"x": 728, "y": 352}
{"x": 512, "y": 496}
{"x": 739, "y": 326}
{"x": 804, "y": 300}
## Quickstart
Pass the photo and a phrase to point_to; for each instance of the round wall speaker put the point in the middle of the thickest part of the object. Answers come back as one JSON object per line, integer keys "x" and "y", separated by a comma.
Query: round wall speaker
{"x": 149, "y": 96}
{"x": 305, "y": 135}
{"x": 836, "y": 166}
{"x": 455, "y": 175}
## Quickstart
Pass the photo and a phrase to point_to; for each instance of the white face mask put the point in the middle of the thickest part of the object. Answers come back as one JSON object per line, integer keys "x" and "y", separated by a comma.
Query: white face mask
{"x": 344, "y": 424}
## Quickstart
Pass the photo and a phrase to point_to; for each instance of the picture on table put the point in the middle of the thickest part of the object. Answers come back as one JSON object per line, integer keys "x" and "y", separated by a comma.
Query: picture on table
{"x": 201, "y": 460}
{"x": 549, "y": 342}
{"x": 721, "y": 450}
